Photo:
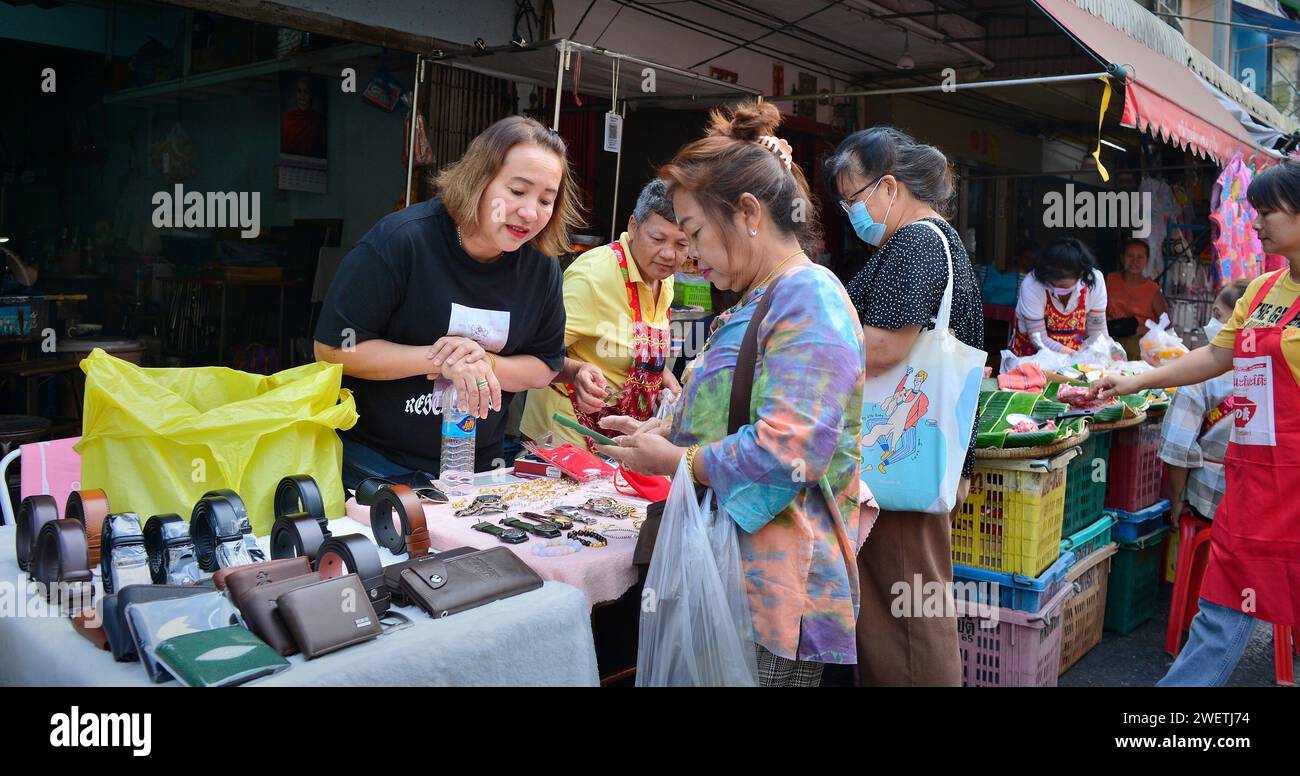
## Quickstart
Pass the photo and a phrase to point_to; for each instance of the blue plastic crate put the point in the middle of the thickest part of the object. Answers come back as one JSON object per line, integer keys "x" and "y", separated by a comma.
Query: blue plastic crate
{"x": 1130, "y": 525}
{"x": 1089, "y": 540}
{"x": 1014, "y": 591}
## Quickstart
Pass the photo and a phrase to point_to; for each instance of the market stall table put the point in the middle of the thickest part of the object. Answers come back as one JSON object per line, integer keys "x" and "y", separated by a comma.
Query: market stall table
{"x": 479, "y": 647}
{"x": 603, "y": 574}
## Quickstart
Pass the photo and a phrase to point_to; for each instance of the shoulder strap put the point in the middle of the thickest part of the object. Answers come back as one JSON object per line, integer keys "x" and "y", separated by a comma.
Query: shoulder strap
{"x": 742, "y": 382}
{"x": 943, "y": 319}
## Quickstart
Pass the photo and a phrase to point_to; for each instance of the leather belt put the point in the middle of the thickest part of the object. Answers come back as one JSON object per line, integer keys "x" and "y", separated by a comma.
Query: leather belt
{"x": 33, "y": 514}
{"x": 89, "y": 507}
{"x": 423, "y": 486}
{"x": 218, "y": 532}
{"x": 355, "y": 554}
{"x": 401, "y": 502}
{"x": 120, "y": 533}
{"x": 295, "y": 535}
{"x": 62, "y": 558}
{"x": 166, "y": 538}
{"x": 299, "y": 494}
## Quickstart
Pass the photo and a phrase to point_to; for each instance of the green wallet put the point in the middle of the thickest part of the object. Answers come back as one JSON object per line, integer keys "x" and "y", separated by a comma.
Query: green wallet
{"x": 219, "y": 658}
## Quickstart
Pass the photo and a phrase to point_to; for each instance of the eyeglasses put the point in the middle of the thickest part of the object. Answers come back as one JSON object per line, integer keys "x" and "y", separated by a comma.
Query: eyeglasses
{"x": 848, "y": 203}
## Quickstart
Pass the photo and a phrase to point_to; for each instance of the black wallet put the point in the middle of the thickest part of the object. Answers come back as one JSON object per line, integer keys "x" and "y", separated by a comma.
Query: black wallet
{"x": 113, "y": 608}
{"x": 446, "y": 586}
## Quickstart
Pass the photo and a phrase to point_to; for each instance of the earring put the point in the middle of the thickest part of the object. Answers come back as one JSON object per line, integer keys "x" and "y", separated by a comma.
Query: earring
{"x": 753, "y": 232}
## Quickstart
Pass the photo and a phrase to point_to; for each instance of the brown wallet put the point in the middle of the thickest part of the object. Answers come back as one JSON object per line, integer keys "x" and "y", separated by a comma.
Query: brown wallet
{"x": 329, "y": 615}
{"x": 259, "y": 606}
{"x": 239, "y": 579}
{"x": 446, "y": 586}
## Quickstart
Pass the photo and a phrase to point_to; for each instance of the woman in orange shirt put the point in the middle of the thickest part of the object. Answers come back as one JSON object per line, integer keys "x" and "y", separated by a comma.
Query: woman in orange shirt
{"x": 1134, "y": 299}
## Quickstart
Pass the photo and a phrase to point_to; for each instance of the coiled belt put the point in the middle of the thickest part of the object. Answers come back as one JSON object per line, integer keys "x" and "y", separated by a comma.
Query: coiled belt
{"x": 355, "y": 554}
{"x": 401, "y": 502}
{"x": 62, "y": 561}
{"x": 300, "y": 522}
{"x": 119, "y": 565}
{"x": 166, "y": 538}
{"x": 33, "y": 514}
{"x": 217, "y": 526}
{"x": 89, "y": 507}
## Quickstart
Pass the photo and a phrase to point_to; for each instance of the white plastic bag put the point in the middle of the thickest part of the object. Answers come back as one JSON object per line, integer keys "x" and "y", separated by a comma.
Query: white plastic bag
{"x": 695, "y": 621}
{"x": 917, "y": 418}
{"x": 1099, "y": 351}
{"x": 1160, "y": 344}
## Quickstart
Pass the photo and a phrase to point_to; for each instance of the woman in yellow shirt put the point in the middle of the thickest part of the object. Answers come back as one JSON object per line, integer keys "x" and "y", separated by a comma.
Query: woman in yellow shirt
{"x": 616, "y": 301}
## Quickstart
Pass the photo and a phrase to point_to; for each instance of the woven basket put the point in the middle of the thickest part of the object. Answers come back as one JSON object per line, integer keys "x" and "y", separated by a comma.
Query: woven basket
{"x": 1119, "y": 424}
{"x": 1046, "y": 451}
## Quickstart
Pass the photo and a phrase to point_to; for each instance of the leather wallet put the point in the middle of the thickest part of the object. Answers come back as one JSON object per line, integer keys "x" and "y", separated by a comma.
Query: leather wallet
{"x": 221, "y": 657}
{"x": 259, "y": 607}
{"x": 329, "y": 615}
{"x": 446, "y": 586}
{"x": 153, "y": 622}
{"x": 393, "y": 571}
{"x": 238, "y": 580}
{"x": 113, "y": 611}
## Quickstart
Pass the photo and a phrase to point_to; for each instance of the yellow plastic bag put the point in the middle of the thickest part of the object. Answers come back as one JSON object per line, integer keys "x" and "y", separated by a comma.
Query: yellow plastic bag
{"x": 156, "y": 440}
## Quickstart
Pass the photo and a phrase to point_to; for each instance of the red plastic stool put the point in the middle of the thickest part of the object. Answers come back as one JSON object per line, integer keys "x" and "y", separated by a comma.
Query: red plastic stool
{"x": 1189, "y": 570}
{"x": 1286, "y": 640}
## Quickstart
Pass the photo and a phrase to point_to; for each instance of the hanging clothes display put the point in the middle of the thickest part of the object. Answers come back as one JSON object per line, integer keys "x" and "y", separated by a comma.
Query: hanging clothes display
{"x": 1238, "y": 253}
{"x": 1164, "y": 212}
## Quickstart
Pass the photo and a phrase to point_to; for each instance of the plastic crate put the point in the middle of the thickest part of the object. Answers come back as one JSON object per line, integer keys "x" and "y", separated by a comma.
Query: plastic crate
{"x": 1085, "y": 492}
{"x": 1089, "y": 540}
{"x": 1130, "y": 525}
{"x": 1084, "y": 614}
{"x": 1010, "y": 591}
{"x": 1134, "y": 580}
{"x": 688, "y": 294}
{"x": 1011, "y": 521}
{"x": 1135, "y": 472}
{"x": 1023, "y": 649}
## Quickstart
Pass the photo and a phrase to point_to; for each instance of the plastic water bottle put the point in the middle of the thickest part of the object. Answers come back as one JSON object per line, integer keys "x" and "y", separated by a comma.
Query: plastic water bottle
{"x": 458, "y": 436}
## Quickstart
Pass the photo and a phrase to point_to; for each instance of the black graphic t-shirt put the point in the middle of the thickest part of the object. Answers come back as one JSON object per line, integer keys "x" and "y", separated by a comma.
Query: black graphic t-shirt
{"x": 408, "y": 281}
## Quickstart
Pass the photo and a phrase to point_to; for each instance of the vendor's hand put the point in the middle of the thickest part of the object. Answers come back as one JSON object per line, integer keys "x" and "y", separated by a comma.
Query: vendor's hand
{"x": 623, "y": 424}
{"x": 646, "y": 453}
{"x": 450, "y": 350}
{"x": 472, "y": 396}
{"x": 589, "y": 388}
{"x": 1115, "y": 385}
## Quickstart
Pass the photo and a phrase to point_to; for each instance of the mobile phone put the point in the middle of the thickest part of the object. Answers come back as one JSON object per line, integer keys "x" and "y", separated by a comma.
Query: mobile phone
{"x": 581, "y": 429}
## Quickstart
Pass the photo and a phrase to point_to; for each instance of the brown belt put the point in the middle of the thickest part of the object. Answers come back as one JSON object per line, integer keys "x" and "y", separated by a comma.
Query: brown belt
{"x": 33, "y": 514}
{"x": 61, "y": 560}
{"x": 399, "y": 501}
{"x": 90, "y": 508}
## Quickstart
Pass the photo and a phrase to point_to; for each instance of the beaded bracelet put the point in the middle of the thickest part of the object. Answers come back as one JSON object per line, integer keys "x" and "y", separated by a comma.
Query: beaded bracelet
{"x": 556, "y": 547}
{"x": 589, "y": 538}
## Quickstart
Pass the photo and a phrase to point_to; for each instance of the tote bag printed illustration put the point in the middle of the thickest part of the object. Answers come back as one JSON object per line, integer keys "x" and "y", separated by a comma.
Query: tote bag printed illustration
{"x": 917, "y": 417}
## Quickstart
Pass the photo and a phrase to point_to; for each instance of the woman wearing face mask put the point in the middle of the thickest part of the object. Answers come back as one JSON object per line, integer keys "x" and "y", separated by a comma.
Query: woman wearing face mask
{"x": 1254, "y": 568}
{"x": 1062, "y": 303}
{"x": 890, "y": 185}
{"x": 1194, "y": 435}
{"x": 789, "y": 476}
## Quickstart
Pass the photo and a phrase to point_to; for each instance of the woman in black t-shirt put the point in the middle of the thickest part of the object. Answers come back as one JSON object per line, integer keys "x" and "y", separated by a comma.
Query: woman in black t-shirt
{"x": 889, "y": 183}
{"x": 460, "y": 287}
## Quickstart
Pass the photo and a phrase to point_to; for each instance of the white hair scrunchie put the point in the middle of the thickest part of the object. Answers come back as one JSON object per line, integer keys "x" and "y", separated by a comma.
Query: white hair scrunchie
{"x": 780, "y": 147}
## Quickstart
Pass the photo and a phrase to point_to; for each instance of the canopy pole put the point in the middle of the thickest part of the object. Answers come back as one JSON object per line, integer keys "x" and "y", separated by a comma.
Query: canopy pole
{"x": 561, "y": 61}
{"x": 618, "y": 159}
{"x": 415, "y": 107}
{"x": 1112, "y": 72}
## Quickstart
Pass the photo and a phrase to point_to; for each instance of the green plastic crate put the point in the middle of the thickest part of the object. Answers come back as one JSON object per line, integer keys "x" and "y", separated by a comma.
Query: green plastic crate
{"x": 1084, "y": 496}
{"x": 686, "y": 294}
{"x": 1134, "y": 581}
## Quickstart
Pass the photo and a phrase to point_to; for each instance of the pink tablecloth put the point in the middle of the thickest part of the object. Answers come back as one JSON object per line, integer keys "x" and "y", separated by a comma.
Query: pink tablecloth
{"x": 601, "y": 573}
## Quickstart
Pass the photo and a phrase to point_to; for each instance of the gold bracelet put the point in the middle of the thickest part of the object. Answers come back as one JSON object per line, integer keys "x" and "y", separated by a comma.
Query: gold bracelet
{"x": 492, "y": 360}
{"x": 690, "y": 462}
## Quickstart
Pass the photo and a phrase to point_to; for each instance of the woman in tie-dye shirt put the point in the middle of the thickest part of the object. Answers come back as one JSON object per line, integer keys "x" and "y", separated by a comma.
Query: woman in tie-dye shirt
{"x": 789, "y": 478}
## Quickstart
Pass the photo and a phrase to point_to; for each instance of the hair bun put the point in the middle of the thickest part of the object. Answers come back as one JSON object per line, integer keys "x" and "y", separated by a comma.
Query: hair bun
{"x": 748, "y": 121}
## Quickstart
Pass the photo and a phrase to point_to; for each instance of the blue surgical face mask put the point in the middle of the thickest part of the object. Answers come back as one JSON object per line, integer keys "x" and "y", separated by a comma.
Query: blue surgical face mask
{"x": 868, "y": 229}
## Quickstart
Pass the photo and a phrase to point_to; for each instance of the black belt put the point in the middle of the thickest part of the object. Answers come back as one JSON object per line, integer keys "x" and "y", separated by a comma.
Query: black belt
{"x": 215, "y": 521}
{"x": 164, "y": 534}
{"x": 89, "y": 507}
{"x": 300, "y": 523}
{"x": 409, "y": 534}
{"x": 355, "y": 554}
{"x": 119, "y": 532}
{"x": 419, "y": 482}
{"x": 62, "y": 558}
{"x": 33, "y": 514}
{"x": 299, "y": 494}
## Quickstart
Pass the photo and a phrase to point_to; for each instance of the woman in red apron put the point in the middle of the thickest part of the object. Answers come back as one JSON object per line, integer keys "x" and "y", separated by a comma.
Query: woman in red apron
{"x": 1062, "y": 302}
{"x": 1254, "y": 567}
{"x": 650, "y": 348}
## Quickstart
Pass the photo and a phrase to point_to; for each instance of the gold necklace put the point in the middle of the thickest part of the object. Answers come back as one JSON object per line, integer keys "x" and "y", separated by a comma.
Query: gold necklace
{"x": 773, "y": 272}
{"x": 461, "y": 239}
